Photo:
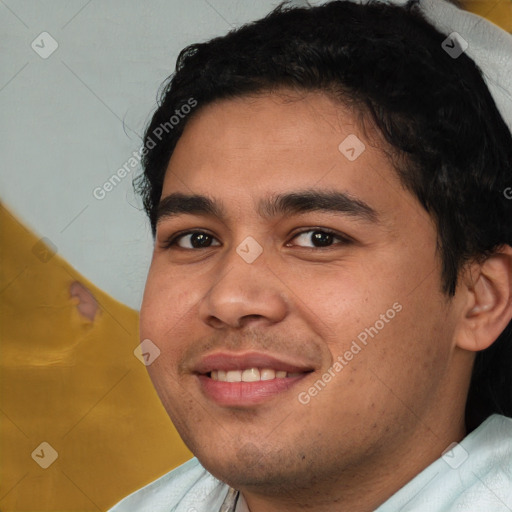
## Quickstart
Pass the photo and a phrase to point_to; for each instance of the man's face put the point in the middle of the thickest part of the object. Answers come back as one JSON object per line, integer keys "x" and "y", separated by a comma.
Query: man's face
{"x": 357, "y": 284}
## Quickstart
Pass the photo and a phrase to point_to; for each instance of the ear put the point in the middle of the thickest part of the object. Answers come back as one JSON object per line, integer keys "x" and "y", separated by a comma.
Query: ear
{"x": 488, "y": 308}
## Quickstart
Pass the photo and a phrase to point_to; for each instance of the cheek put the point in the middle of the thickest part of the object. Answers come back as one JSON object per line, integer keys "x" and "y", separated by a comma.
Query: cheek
{"x": 332, "y": 295}
{"x": 167, "y": 319}
{"x": 387, "y": 380}
{"x": 344, "y": 302}
{"x": 403, "y": 354}
{"x": 167, "y": 298}
{"x": 393, "y": 336}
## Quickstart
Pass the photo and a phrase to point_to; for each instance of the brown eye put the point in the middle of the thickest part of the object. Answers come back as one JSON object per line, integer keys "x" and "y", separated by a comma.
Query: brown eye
{"x": 321, "y": 237}
{"x": 196, "y": 240}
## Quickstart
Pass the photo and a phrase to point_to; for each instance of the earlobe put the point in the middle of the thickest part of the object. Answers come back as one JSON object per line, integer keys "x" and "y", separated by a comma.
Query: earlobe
{"x": 489, "y": 308}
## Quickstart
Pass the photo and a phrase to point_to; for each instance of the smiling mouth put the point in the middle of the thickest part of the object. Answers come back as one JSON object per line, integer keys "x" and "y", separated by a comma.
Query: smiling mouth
{"x": 251, "y": 375}
{"x": 249, "y": 387}
{"x": 242, "y": 380}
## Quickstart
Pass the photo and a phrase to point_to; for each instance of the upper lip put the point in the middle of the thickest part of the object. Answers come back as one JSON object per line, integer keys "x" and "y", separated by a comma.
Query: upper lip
{"x": 235, "y": 361}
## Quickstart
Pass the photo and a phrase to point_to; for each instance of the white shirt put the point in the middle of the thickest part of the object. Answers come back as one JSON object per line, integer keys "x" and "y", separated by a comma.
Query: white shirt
{"x": 474, "y": 476}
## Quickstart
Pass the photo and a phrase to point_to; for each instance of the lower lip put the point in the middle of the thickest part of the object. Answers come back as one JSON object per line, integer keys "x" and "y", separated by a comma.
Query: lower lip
{"x": 245, "y": 393}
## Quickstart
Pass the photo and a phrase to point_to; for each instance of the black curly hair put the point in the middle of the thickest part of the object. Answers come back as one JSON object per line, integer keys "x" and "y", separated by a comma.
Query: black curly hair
{"x": 451, "y": 148}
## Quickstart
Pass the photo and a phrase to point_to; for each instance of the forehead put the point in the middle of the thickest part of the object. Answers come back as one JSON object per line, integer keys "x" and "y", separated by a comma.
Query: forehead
{"x": 248, "y": 148}
{"x": 280, "y": 119}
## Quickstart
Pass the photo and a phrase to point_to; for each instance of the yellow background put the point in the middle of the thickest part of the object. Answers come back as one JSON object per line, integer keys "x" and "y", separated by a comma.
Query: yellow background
{"x": 74, "y": 384}
{"x": 497, "y": 11}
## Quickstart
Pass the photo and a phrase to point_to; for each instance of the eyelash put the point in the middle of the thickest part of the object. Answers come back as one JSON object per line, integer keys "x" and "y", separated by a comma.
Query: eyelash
{"x": 172, "y": 241}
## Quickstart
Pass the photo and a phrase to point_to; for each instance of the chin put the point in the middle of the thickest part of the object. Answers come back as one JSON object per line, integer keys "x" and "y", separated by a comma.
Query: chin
{"x": 249, "y": 468}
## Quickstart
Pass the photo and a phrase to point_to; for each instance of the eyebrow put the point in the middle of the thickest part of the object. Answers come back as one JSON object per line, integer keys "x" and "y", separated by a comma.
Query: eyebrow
{"x": 297, "y": 202}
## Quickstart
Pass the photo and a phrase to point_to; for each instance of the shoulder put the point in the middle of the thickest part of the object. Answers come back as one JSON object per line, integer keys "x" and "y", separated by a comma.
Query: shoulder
{"x": 188, "y": 487}
{"x": 474, "y": 475}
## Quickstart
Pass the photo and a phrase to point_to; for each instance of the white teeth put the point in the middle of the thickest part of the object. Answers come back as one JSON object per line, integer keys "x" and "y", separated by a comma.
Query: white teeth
{"x": 267, "y": 374}
{"x": 250, "y": 375}
{"x": 234, "y": 376}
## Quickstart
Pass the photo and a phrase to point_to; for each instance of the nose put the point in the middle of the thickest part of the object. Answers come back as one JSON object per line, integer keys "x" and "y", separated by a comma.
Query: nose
{"x": 245, "y": 293}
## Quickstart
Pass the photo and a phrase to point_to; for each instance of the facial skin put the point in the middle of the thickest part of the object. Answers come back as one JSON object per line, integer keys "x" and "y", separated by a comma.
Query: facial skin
{"x": 398, "y": 403}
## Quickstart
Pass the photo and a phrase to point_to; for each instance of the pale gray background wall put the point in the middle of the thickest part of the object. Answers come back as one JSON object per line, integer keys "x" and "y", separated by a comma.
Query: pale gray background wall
{"x": 71, "y": 120}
